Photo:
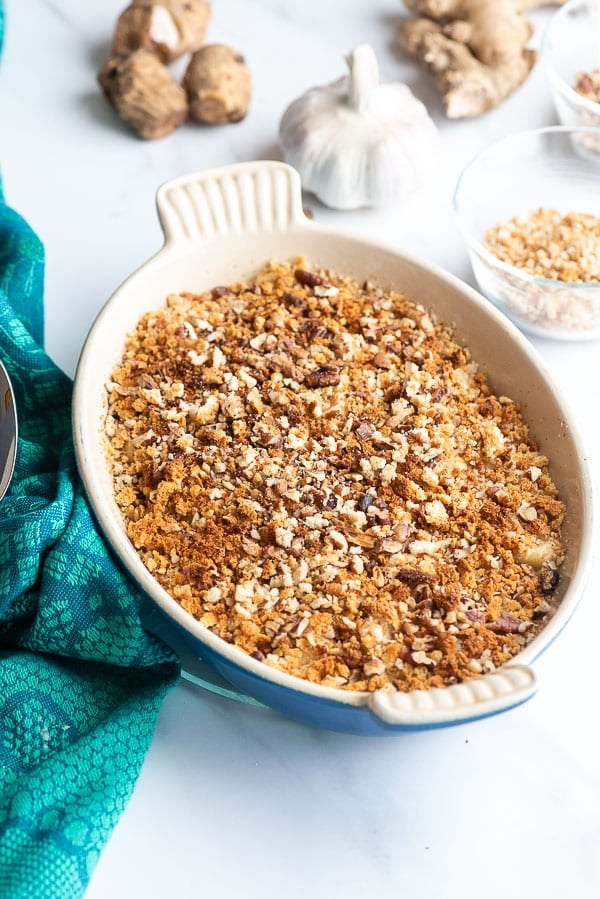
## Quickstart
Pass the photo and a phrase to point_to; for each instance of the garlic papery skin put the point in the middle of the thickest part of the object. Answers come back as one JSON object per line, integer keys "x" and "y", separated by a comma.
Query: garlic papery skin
{"x": 357, "y": 142}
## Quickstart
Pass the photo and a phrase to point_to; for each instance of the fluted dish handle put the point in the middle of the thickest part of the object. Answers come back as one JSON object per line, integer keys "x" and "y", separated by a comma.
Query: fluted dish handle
{"x": 477, "y": 698}
{"x": 251, "y": 197}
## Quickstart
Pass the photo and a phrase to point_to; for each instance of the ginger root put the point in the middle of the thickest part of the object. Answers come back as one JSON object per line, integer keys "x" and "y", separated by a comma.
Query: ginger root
{"x": 218, "y": 85}
{"x": 144, "y": 94}
{"x": 169, "y": 28}
{"x": 475, "y": 49}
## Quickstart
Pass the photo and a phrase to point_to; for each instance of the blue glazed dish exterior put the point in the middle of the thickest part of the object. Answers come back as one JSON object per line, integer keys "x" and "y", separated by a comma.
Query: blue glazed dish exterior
{"x": 315, "y": 711}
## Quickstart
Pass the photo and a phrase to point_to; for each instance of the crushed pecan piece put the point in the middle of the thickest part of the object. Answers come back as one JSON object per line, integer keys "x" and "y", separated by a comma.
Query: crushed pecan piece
{"x": 285, "y": 365}
{"x": 414, "y": 576}
{"x": 325, "y": 376}
{"x": 308, "y": 279}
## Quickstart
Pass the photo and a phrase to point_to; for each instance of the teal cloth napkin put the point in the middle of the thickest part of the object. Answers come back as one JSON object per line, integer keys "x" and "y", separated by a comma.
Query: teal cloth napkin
{"x": 81, "y": 682}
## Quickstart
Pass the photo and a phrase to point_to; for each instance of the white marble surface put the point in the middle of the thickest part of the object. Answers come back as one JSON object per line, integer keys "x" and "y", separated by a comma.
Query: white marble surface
{"x": 233, "y": 800}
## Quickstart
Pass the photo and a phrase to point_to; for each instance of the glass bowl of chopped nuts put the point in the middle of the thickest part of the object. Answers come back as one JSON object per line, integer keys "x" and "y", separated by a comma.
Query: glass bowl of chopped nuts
{"x": 571, "y": 56}
{"x": 529, "y": 209}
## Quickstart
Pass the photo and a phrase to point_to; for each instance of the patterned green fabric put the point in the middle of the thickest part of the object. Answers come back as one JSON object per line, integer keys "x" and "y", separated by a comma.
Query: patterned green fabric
{"x": 80, "y": 681}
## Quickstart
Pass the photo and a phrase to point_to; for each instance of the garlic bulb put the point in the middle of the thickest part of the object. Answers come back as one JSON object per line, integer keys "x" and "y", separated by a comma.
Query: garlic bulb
{"x": 357, "y": 142}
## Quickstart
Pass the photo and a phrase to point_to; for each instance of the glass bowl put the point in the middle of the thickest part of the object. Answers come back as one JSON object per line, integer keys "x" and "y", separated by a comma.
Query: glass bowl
{"x": 570, "y": 47}
{"x": 553, "y": 168}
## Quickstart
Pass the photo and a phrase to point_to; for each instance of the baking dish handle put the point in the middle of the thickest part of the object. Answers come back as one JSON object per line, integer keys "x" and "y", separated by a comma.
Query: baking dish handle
{"x": 477, "y": 698}
{"x": 250, "y": 197}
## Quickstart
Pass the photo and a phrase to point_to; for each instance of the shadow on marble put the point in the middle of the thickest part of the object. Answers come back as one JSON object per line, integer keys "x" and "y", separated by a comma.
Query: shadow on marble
{"x": 98, "y": 52}
{"x": 247, "y": 152}
{"x": 97, "y": 107}
{"x": 418, "y": 80}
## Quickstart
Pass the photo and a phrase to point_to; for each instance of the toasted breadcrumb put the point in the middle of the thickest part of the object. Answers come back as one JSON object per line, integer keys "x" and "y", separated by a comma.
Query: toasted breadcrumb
{"x": 548, "y": 244}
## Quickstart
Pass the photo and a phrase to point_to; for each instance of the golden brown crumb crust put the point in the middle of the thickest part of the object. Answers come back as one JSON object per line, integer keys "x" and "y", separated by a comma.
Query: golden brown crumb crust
{"x": 319, "y": 474}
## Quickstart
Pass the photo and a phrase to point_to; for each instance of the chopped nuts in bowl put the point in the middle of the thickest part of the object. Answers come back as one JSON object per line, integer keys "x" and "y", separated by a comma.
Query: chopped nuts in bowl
{"x": 529, "y": 209}
{"x": 316, "y": 485}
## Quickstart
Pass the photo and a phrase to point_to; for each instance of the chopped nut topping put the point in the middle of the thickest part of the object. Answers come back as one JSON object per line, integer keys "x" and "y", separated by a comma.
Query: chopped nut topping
{"x": 380, "y": 360}
{"x": 320, "y": 474}
{"x": 309, "y": 279}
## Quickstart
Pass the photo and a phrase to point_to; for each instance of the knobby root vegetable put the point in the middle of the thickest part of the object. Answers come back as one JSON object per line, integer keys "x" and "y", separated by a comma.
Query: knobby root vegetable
{"x": 218, "y": 85}
{"x": 144, "y": 93}
{"x": 169, "y": 28}
{"x": 475, "y": 49}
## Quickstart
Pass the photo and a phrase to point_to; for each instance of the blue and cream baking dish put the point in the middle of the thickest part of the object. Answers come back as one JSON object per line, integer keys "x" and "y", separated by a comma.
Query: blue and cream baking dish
{"x": 222, "y": 226}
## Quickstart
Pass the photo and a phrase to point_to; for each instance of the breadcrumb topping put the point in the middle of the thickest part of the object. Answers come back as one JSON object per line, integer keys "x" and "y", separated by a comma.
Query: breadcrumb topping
{"x": 318, "y": 472}
{"x": 548, "y": 244}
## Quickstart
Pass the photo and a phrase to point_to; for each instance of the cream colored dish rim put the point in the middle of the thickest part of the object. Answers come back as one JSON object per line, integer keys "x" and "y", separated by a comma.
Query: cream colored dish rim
{"x": 205, "y": 209}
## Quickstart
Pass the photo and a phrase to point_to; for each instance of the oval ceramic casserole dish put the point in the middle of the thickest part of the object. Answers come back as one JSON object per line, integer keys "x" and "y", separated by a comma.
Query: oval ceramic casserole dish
{"x": 223, "y": 226}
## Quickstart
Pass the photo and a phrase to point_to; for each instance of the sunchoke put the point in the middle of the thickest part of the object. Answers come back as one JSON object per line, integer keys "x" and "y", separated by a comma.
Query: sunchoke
{"x": 218, "y": 85}
{"x": 144, "y": 93}
{"x": 169, "y": 28}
